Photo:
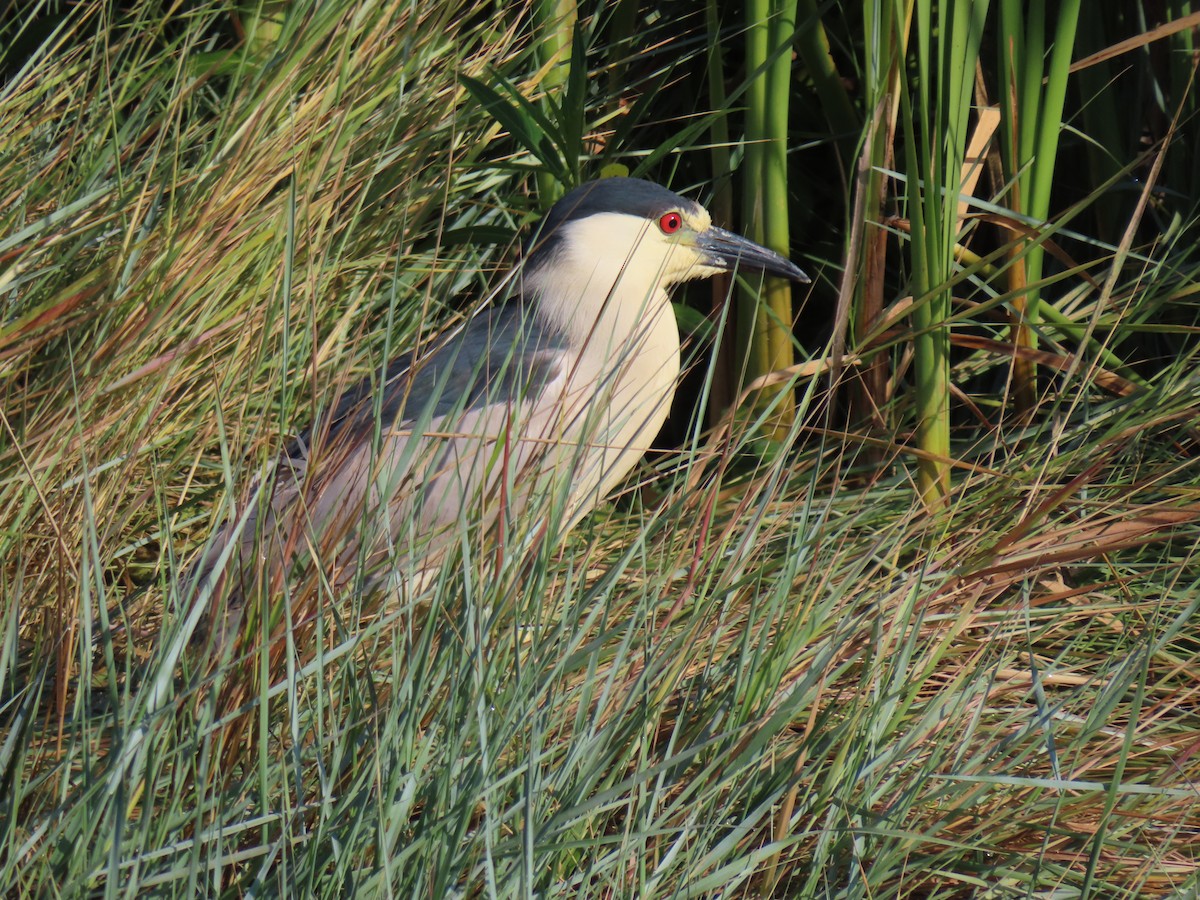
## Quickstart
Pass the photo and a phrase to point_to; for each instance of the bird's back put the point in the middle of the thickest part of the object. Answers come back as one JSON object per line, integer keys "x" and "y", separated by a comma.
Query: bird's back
{"x": 387, "y": 458}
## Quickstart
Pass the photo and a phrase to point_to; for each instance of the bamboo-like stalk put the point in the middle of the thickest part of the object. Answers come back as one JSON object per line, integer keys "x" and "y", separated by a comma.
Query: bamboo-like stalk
{"x": 757, "y": 51}
{"x": 887, "y": 30}
{"x": 1032, "y": 95}
{"x": 555, "y": 35}
{"x": 937, "y": 131}
{"x": 770, "y": 30}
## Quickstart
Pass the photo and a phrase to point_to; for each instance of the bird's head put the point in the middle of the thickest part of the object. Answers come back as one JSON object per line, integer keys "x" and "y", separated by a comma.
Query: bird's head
{"x": 632, "y": 224}
{"x": 622, "y": 241}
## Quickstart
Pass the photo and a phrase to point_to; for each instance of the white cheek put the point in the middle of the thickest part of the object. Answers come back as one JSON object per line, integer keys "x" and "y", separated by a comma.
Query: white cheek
{"x": 685, "y": 264}
{"x": 703, "y": 270}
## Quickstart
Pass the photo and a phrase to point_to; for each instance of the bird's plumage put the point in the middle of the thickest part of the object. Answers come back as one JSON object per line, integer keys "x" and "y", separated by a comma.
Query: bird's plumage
{"x": 456, "y": 373}
{"x": 550, "y": 397}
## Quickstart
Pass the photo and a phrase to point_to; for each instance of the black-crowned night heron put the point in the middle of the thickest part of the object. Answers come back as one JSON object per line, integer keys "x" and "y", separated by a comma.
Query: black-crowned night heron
{"x": 553, "y": 395}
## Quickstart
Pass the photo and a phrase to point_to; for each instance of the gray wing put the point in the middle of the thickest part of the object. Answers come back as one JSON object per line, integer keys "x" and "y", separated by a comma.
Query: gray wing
{"x": 502, "y": 352}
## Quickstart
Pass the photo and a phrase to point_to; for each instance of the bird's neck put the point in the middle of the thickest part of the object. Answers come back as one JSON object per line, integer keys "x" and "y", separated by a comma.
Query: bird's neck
{"x": 612, "y": 310}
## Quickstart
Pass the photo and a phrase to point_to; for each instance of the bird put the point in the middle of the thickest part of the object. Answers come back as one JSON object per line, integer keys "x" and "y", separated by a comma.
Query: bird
{"x": 544, "y": 401}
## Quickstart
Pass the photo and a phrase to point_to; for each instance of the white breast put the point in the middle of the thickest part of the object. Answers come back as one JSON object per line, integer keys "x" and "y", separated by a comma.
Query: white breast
{"x": 569, "y": 445}
{"x": 576, "y": 440}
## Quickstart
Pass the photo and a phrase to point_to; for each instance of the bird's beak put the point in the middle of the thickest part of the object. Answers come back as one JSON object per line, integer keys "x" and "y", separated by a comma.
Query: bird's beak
{"x": 725, "y": 250}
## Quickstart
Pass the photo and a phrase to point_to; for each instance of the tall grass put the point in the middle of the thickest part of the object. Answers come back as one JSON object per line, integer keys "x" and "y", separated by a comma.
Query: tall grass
{"x": 936, "y": 119}
{"x": 770, "y": 31}
{"x": 1032, "y": 96}
{"x": 750, "y": 675}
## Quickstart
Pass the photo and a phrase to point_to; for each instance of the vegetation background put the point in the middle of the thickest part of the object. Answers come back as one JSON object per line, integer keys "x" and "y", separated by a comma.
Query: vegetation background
{"x": 907, "y": 605}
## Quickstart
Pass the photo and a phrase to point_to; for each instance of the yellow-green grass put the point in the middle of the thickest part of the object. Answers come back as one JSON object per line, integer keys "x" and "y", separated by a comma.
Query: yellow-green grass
{"x": 749, "y": 675}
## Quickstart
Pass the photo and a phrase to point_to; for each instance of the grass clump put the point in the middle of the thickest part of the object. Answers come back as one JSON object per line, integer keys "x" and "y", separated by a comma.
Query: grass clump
{"x": 773, "y": 674}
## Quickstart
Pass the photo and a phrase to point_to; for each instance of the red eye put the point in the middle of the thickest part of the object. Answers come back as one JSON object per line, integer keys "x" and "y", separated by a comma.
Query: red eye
{"x": 670, "y": 223}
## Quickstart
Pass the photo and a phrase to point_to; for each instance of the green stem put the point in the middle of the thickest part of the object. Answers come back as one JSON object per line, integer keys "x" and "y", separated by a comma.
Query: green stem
{"x": 724, "y": 382}
{"x": 556, "y": 29}
{"x": 770, "y": 30}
